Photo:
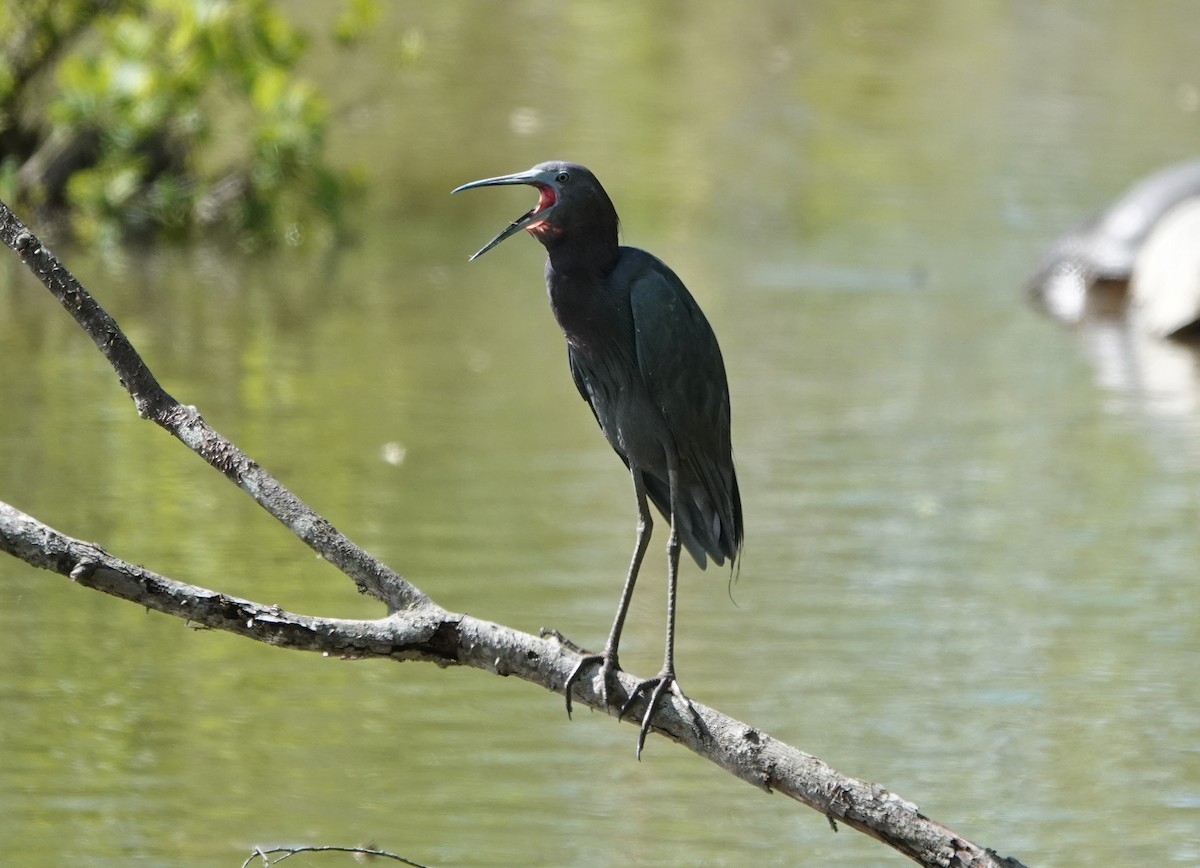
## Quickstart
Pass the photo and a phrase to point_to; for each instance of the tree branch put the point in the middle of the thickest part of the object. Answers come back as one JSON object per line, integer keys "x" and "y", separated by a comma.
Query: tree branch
{"x": 361, "y": 854}
{"x": 416, "y": 628}
{"x": 187, "y": 425}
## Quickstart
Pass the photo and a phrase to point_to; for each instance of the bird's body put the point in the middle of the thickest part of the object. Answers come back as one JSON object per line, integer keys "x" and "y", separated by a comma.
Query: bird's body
{"x": 647, "y": 362}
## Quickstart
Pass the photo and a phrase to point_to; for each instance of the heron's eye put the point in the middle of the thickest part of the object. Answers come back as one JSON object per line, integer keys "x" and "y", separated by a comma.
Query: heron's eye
{"x": 562, "y": 177}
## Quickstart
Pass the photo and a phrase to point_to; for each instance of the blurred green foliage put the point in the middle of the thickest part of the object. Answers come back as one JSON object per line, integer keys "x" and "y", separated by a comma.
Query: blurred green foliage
{"x": 164, "y": 117}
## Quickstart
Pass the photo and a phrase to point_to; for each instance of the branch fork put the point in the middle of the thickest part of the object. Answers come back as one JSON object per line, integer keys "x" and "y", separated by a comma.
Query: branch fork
{"x": 415, "y": 628}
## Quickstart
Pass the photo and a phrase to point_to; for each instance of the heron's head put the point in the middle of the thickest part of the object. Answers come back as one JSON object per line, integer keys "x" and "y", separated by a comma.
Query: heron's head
{"x": 571, "y": 206}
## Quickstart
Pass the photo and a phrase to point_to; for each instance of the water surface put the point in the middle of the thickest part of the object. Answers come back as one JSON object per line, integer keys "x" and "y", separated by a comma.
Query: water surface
{"x": 971, "y": 541}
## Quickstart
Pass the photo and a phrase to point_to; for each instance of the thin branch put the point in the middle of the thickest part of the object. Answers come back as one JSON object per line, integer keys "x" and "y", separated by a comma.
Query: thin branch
{"x": 260, "y": 853}
{"x": 185, "y": 423}
{"x": 416, "y": 628}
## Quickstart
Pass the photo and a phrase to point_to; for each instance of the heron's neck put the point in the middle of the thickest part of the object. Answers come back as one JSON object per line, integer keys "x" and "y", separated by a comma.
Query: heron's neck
{"x": 592, "y": 313}
{"x": 576, "y": 257}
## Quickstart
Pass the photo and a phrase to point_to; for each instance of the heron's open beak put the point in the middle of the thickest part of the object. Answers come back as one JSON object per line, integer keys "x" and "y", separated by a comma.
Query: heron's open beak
{"x": 538, "y": 212}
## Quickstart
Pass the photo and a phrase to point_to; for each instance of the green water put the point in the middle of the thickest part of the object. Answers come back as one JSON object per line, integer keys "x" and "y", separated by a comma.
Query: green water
{"x": 970, "y": 571}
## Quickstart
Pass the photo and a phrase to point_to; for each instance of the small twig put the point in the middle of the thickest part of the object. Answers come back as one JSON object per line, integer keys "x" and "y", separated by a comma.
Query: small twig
{"x": 260, "y": 853}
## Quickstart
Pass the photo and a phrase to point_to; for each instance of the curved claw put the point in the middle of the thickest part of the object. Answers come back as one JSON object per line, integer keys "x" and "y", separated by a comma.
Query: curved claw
{"x": 608, "y": 668}
{"x": 662, "y": 682}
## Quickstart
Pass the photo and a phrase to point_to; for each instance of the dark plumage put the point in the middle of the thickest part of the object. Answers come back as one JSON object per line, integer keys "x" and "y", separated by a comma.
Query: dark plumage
{"x": 647, "y": 362}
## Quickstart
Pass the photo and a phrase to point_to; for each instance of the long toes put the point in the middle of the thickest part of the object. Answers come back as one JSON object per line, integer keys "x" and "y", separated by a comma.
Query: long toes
{"x": 608, "y": 670}
{"x": 655, "y": 697}
{"x": 631, "y": 698}
{"x": 574, "y": 676}
{"x": 658, "y": 685}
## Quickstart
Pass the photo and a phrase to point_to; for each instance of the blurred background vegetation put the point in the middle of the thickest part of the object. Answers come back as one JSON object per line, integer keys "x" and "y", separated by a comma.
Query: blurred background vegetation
{"x": 971, "y": 563}
{"x": 138, "y": 118}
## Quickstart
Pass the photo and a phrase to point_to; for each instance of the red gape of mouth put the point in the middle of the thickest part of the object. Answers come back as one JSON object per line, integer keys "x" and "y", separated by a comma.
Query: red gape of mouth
{"x": 546, "y": 198}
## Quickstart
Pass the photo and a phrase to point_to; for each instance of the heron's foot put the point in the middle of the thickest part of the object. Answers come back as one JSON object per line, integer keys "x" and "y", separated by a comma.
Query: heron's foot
{"x": 609, "y": 667}
{"x": 658, "y": 685}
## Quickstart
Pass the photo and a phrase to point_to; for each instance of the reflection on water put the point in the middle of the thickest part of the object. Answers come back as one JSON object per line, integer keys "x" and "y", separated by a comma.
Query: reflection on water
{"x": 1128, "y": 278}
{"x": 971, "y": 544}
{"x": 1145, "y": 374}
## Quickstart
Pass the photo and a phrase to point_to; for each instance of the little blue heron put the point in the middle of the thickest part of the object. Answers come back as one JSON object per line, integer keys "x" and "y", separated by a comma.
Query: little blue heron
{"x": 647, "y": 362}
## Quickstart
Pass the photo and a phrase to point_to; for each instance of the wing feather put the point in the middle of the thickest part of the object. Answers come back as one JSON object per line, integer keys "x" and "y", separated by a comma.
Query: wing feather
{"x": 681, "y": 364}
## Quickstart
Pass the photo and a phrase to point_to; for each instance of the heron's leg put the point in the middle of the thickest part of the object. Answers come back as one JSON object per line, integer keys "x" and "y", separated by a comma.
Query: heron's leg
{"x": 609, "y": 664}
{"x": 665, "y": 680}
{"x": 672, "y": 583}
